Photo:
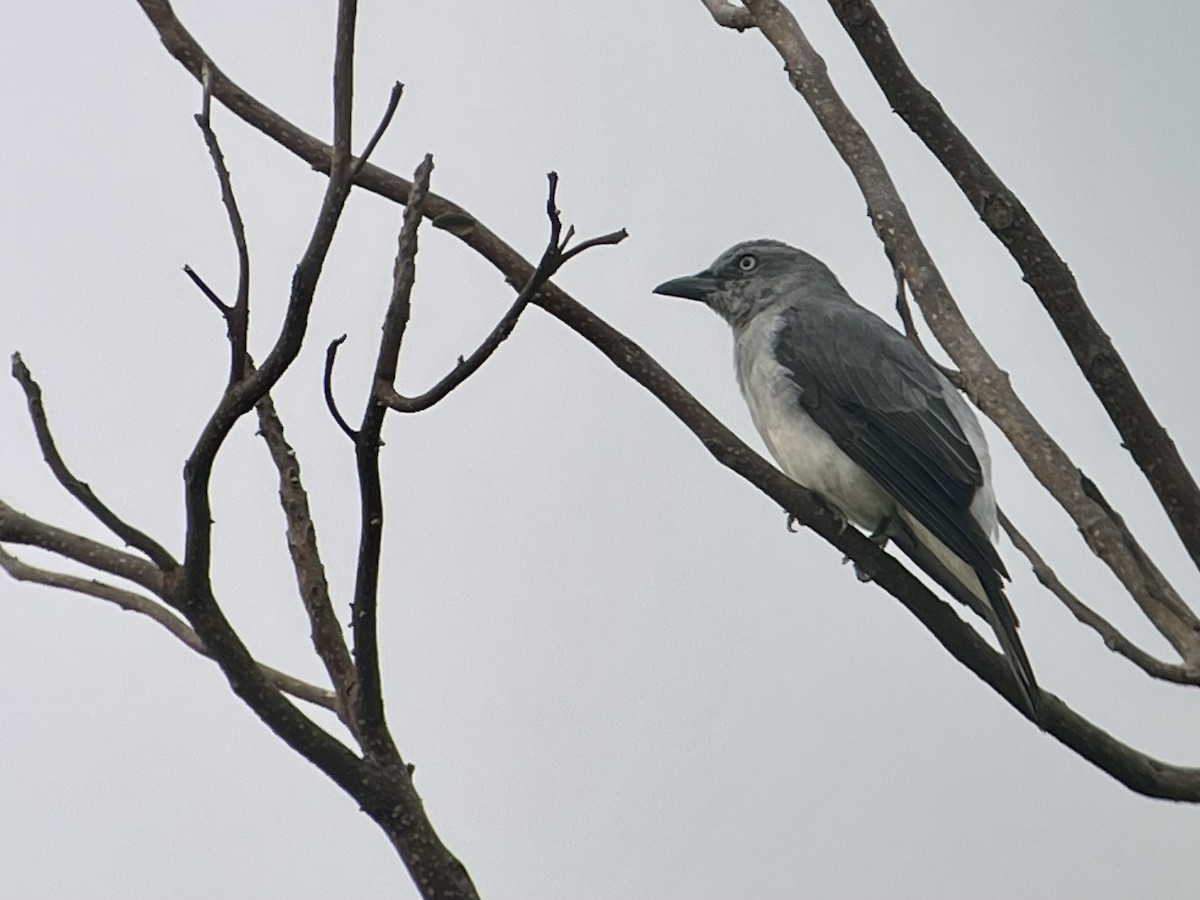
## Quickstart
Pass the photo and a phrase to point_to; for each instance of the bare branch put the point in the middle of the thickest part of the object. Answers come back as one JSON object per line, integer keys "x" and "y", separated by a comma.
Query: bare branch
{"x": 1045, "y": 271}
{"x": 81, "y": 490}
{"x": 986, "y": 384}
{"x": 18, "y": 528}
{"x": 222, "y": 307}
{"x": 330, "y": 401}
{"x": 381, "y": 786}
{"x": 1136, "y": 770}
{"x": 371, "y": 719}
{"x": 729, "y": 15}
{"x": 237, "y": 316}
{"x": 388, "y": 113}
{"x": 1113, "y": 639}
{"x": 327, "y": 637}
{"x": 242, "y": 395}
{"x": 553, "y": 258}
{"x": 128, "y": 600}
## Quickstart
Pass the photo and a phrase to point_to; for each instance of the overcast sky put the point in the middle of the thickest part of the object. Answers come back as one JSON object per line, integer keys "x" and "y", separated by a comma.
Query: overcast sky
{"x": 617, "y": 673}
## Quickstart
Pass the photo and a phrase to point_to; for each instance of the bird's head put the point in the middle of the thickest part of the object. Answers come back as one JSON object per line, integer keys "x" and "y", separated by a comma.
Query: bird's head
{"x": 750, "y": 278}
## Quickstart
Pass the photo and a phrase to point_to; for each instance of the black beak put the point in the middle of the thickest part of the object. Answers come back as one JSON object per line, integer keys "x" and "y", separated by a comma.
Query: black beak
{"x": 690, "y": 287}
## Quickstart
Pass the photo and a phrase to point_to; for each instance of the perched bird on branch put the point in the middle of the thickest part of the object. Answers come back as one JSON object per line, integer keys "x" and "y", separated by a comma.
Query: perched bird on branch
{"x": 855, "y": 412}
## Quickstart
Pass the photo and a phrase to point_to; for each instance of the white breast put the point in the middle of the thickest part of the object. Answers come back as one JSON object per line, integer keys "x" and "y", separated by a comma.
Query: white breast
{"x": 801, "y": 448}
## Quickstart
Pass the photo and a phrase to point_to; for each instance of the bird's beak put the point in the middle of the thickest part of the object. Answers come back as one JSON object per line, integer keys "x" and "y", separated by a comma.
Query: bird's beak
{"x": 690, "y": 287}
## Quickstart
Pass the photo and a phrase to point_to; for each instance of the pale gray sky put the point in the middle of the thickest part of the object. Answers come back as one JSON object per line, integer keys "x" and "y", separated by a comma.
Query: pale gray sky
{"x": 616, "y": 672}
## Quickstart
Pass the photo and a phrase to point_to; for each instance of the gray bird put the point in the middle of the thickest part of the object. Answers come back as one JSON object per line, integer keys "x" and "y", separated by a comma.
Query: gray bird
{"x": 853, "y": 411}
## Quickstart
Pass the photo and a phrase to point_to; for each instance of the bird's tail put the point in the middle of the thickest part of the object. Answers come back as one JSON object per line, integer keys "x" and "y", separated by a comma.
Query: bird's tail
{"x": 1004, "y": 622}
{"x": 993, "y": 607}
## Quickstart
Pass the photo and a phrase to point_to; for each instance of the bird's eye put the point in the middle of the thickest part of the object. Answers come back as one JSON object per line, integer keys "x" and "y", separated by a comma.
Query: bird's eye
{"x": 747, "y": 262}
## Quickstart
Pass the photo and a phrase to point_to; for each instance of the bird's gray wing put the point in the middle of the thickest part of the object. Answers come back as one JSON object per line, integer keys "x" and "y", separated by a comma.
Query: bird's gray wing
{"x": 883, "y": 404}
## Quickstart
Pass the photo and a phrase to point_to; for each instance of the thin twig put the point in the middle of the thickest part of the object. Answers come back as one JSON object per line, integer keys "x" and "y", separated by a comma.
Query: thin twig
{"x": 388, "y": 113}
{"x": 238, "y": 315}
{"x": 133, "y": 602}
{"x": 327, "y": 638}
{"x": 1042, "y": 267}
{"x": 81, "y": 490}
{"x": 330, "y": 400}
{"x": 224, "y": 308}
{"x": 1113, "y": 639}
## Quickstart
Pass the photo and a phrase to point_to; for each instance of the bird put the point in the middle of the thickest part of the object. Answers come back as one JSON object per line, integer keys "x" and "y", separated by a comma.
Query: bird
{"x": 854, "y": 411}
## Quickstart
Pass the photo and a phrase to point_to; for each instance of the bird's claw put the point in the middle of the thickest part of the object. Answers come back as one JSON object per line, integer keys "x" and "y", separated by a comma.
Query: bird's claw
{"x": 858, "y": 573}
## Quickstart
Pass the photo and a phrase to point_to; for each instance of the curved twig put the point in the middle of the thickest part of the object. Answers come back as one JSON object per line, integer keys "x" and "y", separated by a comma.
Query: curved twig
{"x": 81, "y": 490}
{"x": 1113, "y": 639}
{"x": 327, "y": 381}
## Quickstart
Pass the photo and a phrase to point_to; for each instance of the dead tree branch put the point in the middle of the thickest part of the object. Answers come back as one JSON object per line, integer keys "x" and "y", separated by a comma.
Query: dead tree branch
{"x": 18, "y": 528}
{"x": 380, "y": 786}
{"x": 371, "y": 720}
{"x": 553, "y": 258}
{"x": 81, "y": 490}
{"x": 134, "y": 602}
{"x": 327, "y": 638}
{"x": 1113, "y": 639}
{"x": 237, "y": 316}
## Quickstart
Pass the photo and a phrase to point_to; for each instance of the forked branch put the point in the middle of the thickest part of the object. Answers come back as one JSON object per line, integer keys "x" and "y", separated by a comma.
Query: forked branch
{"x": 554, "y": 257}
{"x": 135, "y": 602}
{"x": 1113, "y": 638}
{"x": 1042, "y": 267}
{"x": 237, "y": 316}
{"x": 78, "y": 489}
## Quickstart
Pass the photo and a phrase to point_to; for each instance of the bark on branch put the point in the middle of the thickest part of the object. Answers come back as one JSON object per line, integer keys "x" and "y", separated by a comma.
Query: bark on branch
{"x": 135, "y": 602}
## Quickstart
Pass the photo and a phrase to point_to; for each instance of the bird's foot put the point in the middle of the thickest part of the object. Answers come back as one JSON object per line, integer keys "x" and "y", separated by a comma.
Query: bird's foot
{"x": 858, "y": 573}
{"x": 880, "y": 539}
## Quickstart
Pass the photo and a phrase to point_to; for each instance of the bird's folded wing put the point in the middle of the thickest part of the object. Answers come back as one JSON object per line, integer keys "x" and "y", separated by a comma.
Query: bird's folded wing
{"x": 884, "y": 405}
